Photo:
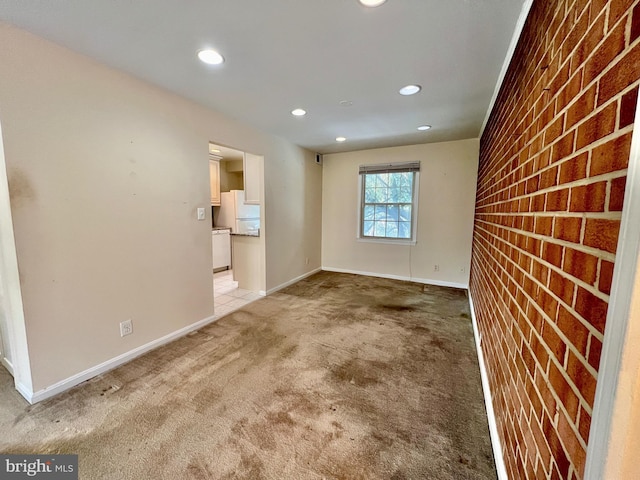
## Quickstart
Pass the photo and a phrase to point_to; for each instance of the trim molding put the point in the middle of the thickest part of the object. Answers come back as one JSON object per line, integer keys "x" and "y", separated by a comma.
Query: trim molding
{"x": 290, "y": 282}
{"x": 7, "y": 364}
{"x": 78, "y": 378}
{"x": 427, "y": 281}
{"x": 488, "y": 403}
{"x": 524, "y": 13}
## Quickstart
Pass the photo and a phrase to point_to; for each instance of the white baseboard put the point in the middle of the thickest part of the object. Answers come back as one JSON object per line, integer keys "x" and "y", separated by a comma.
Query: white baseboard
{"x": 74, "y": 380}
{"x": 7, "y": 364}
{"x": 427, "y": 281}
{"x": 486, "y": 389}
{"x": 291, "y": 282}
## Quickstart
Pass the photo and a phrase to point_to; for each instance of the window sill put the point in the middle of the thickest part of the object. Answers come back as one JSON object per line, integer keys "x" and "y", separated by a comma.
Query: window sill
{"x": 389, "y": 241}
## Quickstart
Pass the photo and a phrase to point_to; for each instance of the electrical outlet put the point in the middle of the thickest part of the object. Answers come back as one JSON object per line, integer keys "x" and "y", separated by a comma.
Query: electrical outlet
{"x": 126, "y": 328}
{"x": 306, "y": 261}
{"x": 436, "y": 268}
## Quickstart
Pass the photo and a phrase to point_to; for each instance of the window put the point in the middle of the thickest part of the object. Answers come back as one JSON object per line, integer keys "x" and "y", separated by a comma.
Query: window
{"x": 389, "y": 200}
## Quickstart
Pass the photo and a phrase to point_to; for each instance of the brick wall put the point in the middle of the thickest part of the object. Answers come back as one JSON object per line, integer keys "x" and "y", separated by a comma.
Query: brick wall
{"x": 550, "y": 191}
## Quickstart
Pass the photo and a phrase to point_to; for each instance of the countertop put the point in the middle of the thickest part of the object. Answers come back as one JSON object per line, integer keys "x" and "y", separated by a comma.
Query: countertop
{"x": 221, "y": 228}
{"x": 245, "y": 234}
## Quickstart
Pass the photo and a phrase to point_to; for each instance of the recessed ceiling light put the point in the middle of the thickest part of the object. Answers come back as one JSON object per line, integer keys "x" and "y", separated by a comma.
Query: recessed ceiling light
{"x": 341, "y": 139}
{"x": 372, "y": 3}
{"x": 410, "y": 90}
{"x": 422, "y": 128}
{"x": 346, "y": 103}
{"x": 298, "y": 112}
{"x": 210, "y": 57}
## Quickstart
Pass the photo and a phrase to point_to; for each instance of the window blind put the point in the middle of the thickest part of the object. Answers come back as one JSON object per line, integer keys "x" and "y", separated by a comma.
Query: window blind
{"x": 390, "y": 168}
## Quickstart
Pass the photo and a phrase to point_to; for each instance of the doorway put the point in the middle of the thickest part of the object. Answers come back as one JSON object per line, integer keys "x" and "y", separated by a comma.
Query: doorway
{"x": 237, "y": 206}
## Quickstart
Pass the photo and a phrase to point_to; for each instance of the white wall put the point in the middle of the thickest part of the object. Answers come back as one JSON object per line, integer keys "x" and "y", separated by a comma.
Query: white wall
{"x": 446, "y": 208}
{"x": 105, "y": 174}
{"x": 293, "y": 187}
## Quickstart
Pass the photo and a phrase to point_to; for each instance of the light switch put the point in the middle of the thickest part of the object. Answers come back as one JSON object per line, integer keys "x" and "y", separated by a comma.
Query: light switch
{"x": 200, "y": 213}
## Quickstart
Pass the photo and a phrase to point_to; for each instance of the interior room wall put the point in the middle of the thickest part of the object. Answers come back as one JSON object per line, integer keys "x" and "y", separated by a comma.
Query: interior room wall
{"x": 445, "y": 209}
{"x": 293, "y": 185}
{"x": 553, "y": 166}
{"x": 105, "y": 175}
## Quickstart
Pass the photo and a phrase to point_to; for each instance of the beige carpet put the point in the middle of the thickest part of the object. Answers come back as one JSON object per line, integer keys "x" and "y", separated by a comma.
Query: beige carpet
{"x": 336, "y": 377}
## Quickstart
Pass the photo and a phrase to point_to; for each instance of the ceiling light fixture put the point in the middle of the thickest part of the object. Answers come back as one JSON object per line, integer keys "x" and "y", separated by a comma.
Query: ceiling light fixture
{"x": 341, "y": 139}
{"x": 210, "y": 57}
{"x": 410, "y": 90}
{"x": 422, "y": 128}
{"x": 298, "y": 112}
{"x": 372, "y": 3}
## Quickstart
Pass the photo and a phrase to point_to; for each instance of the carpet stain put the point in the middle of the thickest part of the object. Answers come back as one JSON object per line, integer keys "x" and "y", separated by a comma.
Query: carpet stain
{"x": 335, "y": 377}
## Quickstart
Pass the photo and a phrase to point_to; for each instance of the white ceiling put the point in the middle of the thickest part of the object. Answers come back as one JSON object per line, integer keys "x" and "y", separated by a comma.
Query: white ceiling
{"x": 283, "y": 54}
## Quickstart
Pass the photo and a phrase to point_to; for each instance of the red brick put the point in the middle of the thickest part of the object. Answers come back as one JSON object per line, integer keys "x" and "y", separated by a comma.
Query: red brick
{"x": 602, "y": 234}
{"x": 539, "y": 272}
{"x": 563, "y": 147}
{"x": 557, "y": 200}
{"x": 595, "y": 350}
{"x": 562, "y": 287}
{"x": 574, "y": 168}
{"x": 570, "y": 90}
{"x": 604, "y": 55}
{"x": 574, "y": 448}
{"x": 629, "y": 102}
{"x": 548, "y": 178}
{"x": 539, "y": 351}
{"x": 581, "y": 378}
{"x": 562, "y": 463}
{"x": 616, "y": 195}
{"x": 532, "y": 184}
{"x": 543, "y": 225}
{"x": 537, "y": 203}
{"x": 552, "y": 253}
{"x": 591, "y": 308}
{"x": 590, "y": 41}
{"x": 553, "y": 131}
{"x": 635, "y": 24}
{"x": 597, "y": 7}
{"x": 611, "y": 156}
{"x": 625, "y": 72}
{"x": 549, "y": 304}
{"x": 580, "y": 265}
{"x": 617, "y": 9}
{"x": 585, "y": 424}
{"x": 588, "y": 198}
{"x": 606, "y": 277}
{"x": 554, "y": 342}
{"x": 597, "y": 126}
{"x": 577, "y": 32}
{"x": 563, "y": 390}
{"x": 568, "y": 228}
{"x": 582, "y": 107}
{"x": 573, "y": 329}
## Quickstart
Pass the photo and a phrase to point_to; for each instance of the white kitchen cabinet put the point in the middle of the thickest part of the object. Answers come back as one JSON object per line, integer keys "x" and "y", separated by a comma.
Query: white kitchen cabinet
{"x": 214, "y": 177}
{"x": 252, "y": 172}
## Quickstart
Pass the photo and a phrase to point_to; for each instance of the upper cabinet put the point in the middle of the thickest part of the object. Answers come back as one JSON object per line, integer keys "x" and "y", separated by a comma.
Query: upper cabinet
{"x": 252, "y": 178}
{"x": 214, "y": 176}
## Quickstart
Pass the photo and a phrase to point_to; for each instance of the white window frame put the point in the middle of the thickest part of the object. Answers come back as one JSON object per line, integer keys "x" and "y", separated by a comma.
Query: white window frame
{"x": 389, "y": 168}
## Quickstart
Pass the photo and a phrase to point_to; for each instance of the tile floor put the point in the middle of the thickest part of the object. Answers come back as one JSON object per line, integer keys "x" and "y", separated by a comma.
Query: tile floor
{"x": 227, "y": 297}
